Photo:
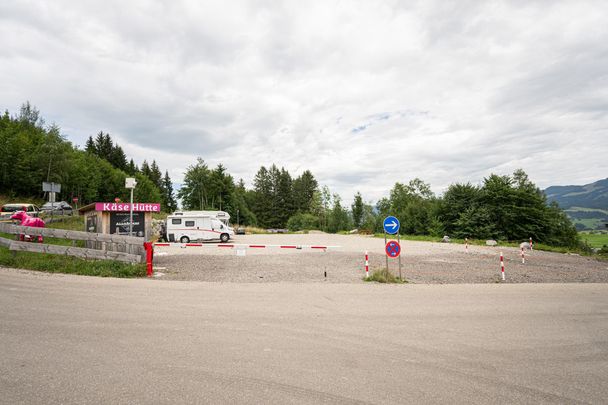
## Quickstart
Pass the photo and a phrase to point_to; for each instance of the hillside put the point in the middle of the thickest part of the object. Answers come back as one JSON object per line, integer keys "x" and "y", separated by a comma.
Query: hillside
{"x": 587, "y": 205}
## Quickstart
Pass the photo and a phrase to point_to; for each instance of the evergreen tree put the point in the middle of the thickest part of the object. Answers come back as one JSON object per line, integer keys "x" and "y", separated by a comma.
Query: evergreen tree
{"x": 155, "y": 175}
{"x": 221, "y": 189}
{"x": 262, "y": 197}
{"x": 132, "y": 168}
{"x": 169, "y": 203}
{"x": 118, "y": 158}
{"x": 90, "y": 146}
{"x": 145, "y": 170}
{"x": 304, "y": 188}
{"x": 284, "y": 204}
{"x": 357, "y": 210}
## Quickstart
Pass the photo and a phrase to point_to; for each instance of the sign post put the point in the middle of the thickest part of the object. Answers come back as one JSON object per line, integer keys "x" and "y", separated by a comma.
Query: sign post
{"x": 392, "y": 248}
{"x": 130, "y": 182}
{"x": 51, "y": 188}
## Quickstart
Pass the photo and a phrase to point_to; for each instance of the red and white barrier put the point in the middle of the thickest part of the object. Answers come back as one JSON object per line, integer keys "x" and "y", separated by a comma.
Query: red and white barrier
{"x": 366, "y": 265}
{"x": 523, "y": 256}
{"x": 243, "y": 246}
{"x": 466, "y": 245}
{"x": 502, "y": 266}
{"x": 530, "y": 243}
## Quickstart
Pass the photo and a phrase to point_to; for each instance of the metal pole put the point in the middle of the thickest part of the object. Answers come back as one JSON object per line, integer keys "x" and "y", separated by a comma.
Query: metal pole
{"x": 400, "y": 252}
{"x": 131, "y": 215}
{"x": 385, "y": 255}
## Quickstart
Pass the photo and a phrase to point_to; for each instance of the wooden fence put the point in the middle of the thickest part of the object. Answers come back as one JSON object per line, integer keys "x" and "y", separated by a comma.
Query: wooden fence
{"x": 99, "y": 245}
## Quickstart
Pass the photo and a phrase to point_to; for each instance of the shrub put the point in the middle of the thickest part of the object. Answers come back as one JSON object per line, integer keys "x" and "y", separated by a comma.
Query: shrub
{"x": 302, "y": 221}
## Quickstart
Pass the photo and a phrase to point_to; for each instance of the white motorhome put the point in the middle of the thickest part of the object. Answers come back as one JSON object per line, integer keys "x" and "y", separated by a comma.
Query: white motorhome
{"x": 221, "y": 215}
{"x": 187, "y": 226}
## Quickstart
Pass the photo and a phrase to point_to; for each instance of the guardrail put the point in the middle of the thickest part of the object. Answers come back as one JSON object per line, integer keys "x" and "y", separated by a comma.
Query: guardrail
{"x": 99, "y": 245}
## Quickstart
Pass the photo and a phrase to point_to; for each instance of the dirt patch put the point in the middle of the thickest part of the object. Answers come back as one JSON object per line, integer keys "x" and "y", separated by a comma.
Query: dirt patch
{"x": 422, "y": 262}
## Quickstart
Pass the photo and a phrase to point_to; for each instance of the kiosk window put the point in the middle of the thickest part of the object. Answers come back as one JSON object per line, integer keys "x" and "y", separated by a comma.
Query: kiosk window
{"x": 176, "y": 221}
{"x": 189, "y": 223}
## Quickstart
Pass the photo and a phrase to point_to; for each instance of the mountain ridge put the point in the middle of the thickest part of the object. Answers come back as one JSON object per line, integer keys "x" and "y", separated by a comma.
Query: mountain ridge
{"x": 586, "y": 205}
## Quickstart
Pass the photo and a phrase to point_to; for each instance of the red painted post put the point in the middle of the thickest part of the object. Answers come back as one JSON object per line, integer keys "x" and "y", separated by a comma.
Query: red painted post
{"x": 530, "y": 243}
{"x": 502, "y": 266}
{"x": 366, "y": 265}
{"x": 149, "y": 258}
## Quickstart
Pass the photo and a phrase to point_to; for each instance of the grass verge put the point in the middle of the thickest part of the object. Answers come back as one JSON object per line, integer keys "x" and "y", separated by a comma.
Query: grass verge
{"x": 70, "y": 265}
{"x": 384, "y": 276}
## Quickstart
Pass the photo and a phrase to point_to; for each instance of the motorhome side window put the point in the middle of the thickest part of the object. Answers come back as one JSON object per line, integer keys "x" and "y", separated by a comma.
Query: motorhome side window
{"x": 176, "y": 221}
{"x": 189, "y": 223}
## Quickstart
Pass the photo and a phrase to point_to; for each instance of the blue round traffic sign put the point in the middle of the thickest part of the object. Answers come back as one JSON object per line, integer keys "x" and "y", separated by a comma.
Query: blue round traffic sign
{"x": 391, "y": 225}
{"x": 392, "y": 248}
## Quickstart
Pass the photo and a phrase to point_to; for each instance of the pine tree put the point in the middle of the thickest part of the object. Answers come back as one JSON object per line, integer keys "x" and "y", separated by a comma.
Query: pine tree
{"x": 304, "y": 188}
{"x": 262, "y": 197}
{"x": 145, "y": 169}
{"x": 155, "y": 174}
{"x": 118, "y": 158}
{"x": 169, "y": 202}
{"x": 132, "y": 168}
{"x": 90, "y": 146}
{"x": 284, "y": 198}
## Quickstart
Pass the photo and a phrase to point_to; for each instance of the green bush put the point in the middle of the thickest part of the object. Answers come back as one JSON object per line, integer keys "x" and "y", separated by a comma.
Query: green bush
{"x": 302, "y": 221}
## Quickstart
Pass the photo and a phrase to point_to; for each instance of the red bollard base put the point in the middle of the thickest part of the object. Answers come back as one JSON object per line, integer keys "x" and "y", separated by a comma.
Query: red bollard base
{"x": 149, "y": 257}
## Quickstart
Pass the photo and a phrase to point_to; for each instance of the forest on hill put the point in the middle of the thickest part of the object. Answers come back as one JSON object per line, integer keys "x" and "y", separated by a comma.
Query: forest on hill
{"x": 586, "y": 205}
{"x": 507, "y": 207}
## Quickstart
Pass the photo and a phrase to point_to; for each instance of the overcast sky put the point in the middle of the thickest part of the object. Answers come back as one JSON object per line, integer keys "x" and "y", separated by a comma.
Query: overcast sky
{"x": 364, "y": 94}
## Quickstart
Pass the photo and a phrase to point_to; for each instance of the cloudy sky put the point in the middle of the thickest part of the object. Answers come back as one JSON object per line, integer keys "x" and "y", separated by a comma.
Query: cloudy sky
{"x": 363, "y": 94}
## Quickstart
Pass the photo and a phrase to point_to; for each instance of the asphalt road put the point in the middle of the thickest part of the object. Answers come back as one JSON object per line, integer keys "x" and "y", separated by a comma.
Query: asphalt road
{"x": 68, "y": 339}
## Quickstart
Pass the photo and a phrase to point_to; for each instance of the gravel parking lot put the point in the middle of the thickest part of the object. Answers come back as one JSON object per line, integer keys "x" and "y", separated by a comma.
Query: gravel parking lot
{"x": 422, "y": 262}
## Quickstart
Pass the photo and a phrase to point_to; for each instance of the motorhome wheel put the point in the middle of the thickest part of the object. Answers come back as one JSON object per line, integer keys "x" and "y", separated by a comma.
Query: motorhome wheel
{"x": 224, "y": 237}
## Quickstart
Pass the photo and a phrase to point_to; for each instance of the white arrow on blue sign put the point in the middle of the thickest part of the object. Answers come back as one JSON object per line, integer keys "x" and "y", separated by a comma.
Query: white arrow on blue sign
{"x": 391, "y": 225}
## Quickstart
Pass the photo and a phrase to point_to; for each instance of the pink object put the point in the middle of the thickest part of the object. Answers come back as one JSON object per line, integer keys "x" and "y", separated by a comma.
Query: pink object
{"x": 366, "y": 265}
{"x": 502, "y": 266}
{"x": 26, "y": 220}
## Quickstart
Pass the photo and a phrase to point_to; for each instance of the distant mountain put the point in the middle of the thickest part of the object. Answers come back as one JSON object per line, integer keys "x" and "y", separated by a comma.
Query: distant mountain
{"x": 587, "y": 205}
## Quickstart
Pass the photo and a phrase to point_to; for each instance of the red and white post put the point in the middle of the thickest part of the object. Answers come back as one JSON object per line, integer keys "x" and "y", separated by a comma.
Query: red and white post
{"x": 366, "y": 265}
{"x": 466, "y": 245}
{"x": 530, "y": 243}
{"x": 523, "y": 256}
{"x": 502, "y": 266}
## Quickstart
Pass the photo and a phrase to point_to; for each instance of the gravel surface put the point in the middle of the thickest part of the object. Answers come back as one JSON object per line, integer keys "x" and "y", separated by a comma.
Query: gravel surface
{"x": 422, "y": 262}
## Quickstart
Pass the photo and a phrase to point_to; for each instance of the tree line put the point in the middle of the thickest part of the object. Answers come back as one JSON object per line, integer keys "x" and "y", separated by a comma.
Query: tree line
{"x": 508, "y": 207}
{"x": 33, "y": 152}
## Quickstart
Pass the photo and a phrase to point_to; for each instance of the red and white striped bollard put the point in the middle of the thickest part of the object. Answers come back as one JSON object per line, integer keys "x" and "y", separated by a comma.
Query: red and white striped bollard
{"x": 502, "y": 266}
{"x": 523, "y": 256}
{"x": 466, "y": 245}
{"x": 530, "y": 243}
{"x": 366, "y": 265}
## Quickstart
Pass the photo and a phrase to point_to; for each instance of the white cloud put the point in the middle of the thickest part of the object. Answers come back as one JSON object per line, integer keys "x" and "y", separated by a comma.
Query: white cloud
{"x": 361, "y": 93}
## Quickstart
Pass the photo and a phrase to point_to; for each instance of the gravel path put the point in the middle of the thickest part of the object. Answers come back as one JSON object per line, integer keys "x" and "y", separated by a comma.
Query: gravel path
{"x": 422, "y": 262}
